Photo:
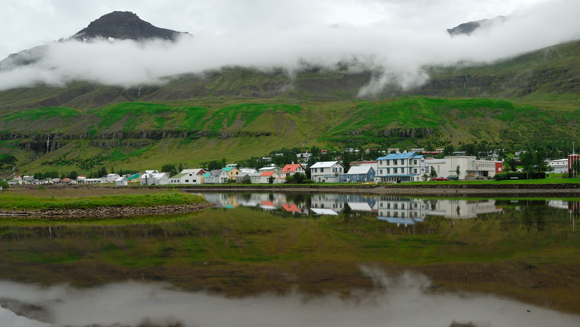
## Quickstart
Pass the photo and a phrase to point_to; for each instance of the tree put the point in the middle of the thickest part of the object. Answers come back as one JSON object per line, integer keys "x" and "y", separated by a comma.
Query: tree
{"x": 169, "y": 168}
{"x": 425, "y": 177}
{"x": 4, "y": 185}
{"x": 539, "y": 161}
{"x": 513, "y": 164}
{"x": 73, "y": 175}
{"x": 433, "y": 173}
{"x": 271, "y": 180}
{"x": 458, "y": 171}
{"x": 7, "y": 161}
{"x": 527, "y": 160}
{"x": 346, "y": 161}
{"x": 180, "y": 167}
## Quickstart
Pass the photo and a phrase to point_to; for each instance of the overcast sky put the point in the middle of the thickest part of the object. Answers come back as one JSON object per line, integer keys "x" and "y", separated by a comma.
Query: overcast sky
{"x": 27, "y": 23}
{"x": 396, "y": 39}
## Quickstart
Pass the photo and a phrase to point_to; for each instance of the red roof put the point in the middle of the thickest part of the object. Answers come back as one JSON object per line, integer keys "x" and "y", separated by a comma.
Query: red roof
{"x": 290, "y": 168}
{"x": 290, "y": 207}
{"x": 268, "y": 173}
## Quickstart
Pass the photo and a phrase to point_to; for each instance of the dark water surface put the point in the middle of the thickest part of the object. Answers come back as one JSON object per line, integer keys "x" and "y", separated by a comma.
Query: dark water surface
{"x": 300, "y": 260}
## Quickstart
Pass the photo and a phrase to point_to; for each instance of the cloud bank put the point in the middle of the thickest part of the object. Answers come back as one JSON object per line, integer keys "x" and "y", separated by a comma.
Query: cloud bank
{"x": 398, "y": 55}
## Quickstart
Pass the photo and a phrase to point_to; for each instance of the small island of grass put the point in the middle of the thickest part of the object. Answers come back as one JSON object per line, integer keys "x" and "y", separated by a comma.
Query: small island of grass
{"x": 97, "y": 202}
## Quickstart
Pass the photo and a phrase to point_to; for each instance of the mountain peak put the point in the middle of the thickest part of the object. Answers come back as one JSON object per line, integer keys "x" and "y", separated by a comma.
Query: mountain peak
{"x": 125, "y": 25}
{"x": 470, "y": 27}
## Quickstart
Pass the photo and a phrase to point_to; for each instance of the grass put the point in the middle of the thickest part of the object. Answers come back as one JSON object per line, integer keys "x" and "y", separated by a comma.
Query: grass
{"x": 21, "y": 201}
{"x": 44, "y": 113}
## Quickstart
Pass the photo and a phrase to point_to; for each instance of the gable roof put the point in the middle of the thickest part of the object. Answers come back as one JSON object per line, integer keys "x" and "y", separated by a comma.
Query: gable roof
{"x": 216, "y": 173}
{"x": 291, "y": 168}
{"x": 227, "y": 169}
{"x": 206, "y": 175}
{"x": 179, "y": 175}
{"x": 120, "y": 179}
{"x": 268, "y": 173}
{"x": 357, "y": 170}
{"x": 325, "y": 164}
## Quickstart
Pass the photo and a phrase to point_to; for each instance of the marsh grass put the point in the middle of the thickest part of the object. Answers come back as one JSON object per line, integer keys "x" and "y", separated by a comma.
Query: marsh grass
{"x": 92, "y": 198}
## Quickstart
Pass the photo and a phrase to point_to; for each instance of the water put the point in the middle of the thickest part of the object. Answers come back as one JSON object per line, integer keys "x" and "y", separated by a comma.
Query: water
{"x": 300, "y": 260}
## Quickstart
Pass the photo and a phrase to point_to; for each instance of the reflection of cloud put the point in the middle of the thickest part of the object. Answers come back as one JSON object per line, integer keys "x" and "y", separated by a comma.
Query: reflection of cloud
{"x": 397, "y": 55}
{"x": 402, "y": 301}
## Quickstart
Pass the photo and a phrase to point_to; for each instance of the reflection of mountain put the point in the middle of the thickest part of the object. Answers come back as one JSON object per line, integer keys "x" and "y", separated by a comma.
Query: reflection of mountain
{"x": 462, "y": 209}
{"x": 403, "y": 211}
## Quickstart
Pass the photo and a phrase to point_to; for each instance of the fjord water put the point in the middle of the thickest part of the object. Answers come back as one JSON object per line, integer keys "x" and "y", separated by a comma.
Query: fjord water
{"x": 300, "y": 260}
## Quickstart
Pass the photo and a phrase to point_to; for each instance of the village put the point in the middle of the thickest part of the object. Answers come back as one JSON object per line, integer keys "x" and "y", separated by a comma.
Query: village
{"x": 415, "y": 165}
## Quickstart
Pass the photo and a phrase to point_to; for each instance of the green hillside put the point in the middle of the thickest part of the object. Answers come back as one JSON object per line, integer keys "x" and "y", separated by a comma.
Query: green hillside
{"x": 238, "y": 113}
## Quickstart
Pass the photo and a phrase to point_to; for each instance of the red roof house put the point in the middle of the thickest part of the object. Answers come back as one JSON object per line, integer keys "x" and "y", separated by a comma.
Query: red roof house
{"x": 293, "y": 169}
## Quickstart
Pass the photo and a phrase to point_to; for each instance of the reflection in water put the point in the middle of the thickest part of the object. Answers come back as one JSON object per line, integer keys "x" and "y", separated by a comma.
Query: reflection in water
{"x": 294, "y": 259}
{"x": 407, "y": 300}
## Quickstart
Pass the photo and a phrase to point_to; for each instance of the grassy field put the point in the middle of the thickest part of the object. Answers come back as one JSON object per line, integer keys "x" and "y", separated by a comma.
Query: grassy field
{"x": 87, "y": 199}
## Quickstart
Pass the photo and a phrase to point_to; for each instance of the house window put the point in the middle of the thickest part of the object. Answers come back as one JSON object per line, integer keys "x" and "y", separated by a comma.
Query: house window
{"x": 381, "y": 204}
{"x": 388, "y": 171}
{"x": 396, "y": 206}
{"x": 394, "y": 170}
{"x": 388, "y": 162}
{"x": 381, "y": 171}
{"x": 403, "y": 206}
{"x": 415, "y": 162}
{"x": 388, "y": 206}
{"x": 187, "y": 180}
{"x": 415, "y": 171}
{"x": 402, "y": 170}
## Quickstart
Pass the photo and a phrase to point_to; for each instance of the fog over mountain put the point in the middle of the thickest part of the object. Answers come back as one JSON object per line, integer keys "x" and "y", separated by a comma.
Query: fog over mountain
{"x": 398, "y": 54}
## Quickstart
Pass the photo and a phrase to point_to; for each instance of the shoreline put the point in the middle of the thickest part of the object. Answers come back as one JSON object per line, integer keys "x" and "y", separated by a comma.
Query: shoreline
{"x": 105, "y": 212}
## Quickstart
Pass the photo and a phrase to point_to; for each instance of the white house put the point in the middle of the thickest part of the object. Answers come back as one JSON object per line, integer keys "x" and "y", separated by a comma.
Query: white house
{"x": 326, "y": 171}
{"x": 292, "y": 169}
{"x": 155, "y": 179}
{"x": 401, "y": 167}
{"x": 122, "y": 181}
{"x": 111, "y": 178}
{"x": 256, "y": 178}
{"x": 469, "y": 165}
{"x": 560, "y": 166}
{"x": 217, "y": 176}
{"x": 92, "y": 181}
{"x": 190, "y": 178}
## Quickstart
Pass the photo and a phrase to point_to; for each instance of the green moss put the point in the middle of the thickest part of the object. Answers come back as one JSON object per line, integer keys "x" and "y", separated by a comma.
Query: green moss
{"x": 247, "y": 113}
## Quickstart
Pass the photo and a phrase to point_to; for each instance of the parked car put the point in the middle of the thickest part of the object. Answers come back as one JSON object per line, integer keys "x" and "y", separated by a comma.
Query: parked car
{"x": 453, "y": 178}
{"x": 439, "y": 179}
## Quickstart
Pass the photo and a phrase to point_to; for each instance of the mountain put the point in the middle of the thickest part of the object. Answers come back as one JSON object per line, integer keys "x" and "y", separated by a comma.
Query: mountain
{"x": 239, "y": 112}
{"x": 470, "y": 27}
{"x": 122, "y": 25}
{"x": 125, "y": 25}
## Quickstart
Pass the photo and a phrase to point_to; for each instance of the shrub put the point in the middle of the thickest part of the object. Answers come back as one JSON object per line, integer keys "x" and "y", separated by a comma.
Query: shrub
{"x": 4, "y": 185}
{"x": 509, "y": 175}
{"x": 246, "y": 181}
{"x": 41, "y": 187}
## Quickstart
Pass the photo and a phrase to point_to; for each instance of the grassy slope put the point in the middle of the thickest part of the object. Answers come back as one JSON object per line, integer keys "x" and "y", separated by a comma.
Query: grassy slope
{"x": 237, "y": 130}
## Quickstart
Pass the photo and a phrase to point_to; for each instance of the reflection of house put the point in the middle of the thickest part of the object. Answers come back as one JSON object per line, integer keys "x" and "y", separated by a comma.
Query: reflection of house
{"x": 403, "y": 211}
{"x": 222, "y": 200}
{"x": 463, "y": 209}
{"x": 571, "y": 206}
{"x": 327, "y": 201}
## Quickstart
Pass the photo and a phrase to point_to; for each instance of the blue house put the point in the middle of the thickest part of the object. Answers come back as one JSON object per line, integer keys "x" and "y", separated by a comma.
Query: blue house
{"x": 401, "y": 167}
{"x": 358, "y": 174}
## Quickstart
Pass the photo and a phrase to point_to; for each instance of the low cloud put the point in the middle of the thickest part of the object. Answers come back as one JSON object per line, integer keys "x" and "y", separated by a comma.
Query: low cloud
{"x": 396, "y": 55}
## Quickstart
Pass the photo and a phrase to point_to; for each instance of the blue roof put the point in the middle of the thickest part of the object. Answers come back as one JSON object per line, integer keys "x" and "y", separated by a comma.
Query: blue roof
{"x": 400, "y": 156}
{"x": 228, "y": 168}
